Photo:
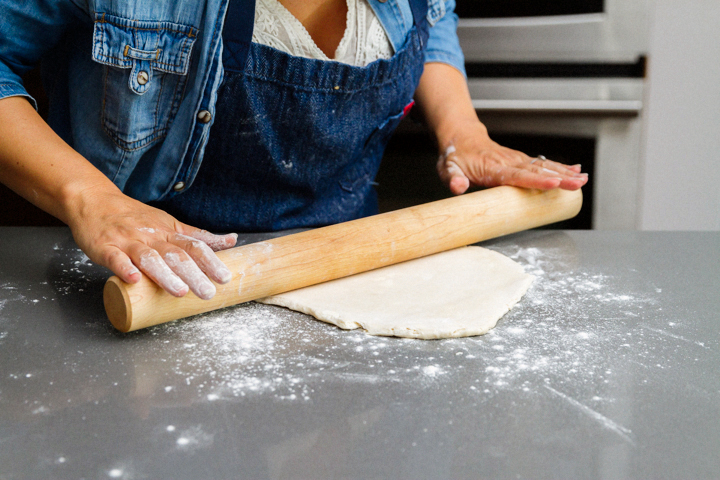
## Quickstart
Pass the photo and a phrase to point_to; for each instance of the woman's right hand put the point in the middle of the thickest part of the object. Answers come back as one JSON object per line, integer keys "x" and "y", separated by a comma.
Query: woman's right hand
{"x": 131, "y": 238}
{"x": 122, "y": 234}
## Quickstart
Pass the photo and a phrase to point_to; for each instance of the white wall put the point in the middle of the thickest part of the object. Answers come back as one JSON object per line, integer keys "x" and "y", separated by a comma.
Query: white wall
{"x": 680, "y": 175}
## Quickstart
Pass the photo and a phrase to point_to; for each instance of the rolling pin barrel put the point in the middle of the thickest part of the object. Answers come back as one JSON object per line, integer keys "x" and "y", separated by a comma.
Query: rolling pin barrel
{"x": 315, "y": 256}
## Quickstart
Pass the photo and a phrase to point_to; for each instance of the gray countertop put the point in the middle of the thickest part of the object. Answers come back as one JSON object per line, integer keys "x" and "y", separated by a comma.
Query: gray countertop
{"x": 608, "y": 368}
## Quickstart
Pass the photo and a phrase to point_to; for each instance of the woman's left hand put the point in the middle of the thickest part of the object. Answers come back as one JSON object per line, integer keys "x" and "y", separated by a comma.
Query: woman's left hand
{"x": 467, "y": 154}
{"x": 470, "y": 157}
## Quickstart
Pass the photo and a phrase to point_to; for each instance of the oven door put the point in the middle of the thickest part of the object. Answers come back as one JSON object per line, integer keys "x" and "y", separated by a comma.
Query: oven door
{"x": 552, "y": 31}
{"x": 595, "y": 122}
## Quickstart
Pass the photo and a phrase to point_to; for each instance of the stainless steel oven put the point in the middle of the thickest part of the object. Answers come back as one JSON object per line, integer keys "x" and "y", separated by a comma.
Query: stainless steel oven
{"x": 563, "y": 78}
{"x": 577, "y": 31}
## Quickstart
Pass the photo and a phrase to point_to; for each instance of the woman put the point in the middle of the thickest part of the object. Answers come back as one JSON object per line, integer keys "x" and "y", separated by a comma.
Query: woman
{"x": 230, "y": 121}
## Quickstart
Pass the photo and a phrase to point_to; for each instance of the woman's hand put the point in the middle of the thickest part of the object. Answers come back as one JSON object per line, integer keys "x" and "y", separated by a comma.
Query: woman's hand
{"x": 129, "y": 237}
{"x": 120, "y": 233}
{"x": 467, "y": 154}
{"x": 470, "y": 157}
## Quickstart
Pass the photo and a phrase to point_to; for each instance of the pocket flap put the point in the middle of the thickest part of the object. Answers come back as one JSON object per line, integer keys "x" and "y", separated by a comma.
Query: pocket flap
{"x": 123, "y": 43}
{"x": 436, "y": 11}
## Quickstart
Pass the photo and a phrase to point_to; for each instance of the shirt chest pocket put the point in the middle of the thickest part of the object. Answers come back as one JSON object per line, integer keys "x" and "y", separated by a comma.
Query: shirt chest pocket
{"x": 146, "y": 65}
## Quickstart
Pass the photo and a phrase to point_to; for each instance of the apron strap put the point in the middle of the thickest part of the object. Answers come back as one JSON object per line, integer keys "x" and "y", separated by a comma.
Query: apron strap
{"x": 237, "y": 33}
{"x": 419, "y": 10}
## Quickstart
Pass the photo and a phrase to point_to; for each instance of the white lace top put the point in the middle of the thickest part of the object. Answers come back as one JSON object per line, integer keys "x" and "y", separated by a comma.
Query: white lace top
{"x": 364, "y": 40}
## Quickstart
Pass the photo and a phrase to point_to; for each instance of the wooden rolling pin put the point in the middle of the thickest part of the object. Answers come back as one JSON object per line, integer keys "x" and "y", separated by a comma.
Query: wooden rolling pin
{"x": 315, "y": 256}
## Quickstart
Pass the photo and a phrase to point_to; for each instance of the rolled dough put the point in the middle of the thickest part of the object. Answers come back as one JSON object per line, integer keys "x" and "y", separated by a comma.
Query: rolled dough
{"x": 458, "y": 293}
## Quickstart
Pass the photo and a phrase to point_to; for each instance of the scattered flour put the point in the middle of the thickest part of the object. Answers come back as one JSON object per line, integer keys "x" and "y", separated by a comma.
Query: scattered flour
{"x": 73, "y": 272}
{"x": 194, "y": 438}
{"x": 571, "y": 338}
{"x": 568, "y": 337}
{"x": 557, "y": 337}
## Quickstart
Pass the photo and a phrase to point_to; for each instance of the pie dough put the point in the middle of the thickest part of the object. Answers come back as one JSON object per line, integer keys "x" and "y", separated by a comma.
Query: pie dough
{"x": 458, "y": 293}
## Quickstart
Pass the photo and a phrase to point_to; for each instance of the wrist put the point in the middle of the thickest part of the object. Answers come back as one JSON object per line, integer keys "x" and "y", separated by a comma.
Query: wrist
{"x": 452, "y": 132}
{"x": 81, "y": 197}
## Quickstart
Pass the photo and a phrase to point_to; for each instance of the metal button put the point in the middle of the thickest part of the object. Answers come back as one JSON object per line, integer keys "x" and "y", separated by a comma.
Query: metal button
{"x": 179, "y": 186}
{"x": 204, "y": 116}
{"x": 382, "y": 1}
{"x": 143, "y": 77}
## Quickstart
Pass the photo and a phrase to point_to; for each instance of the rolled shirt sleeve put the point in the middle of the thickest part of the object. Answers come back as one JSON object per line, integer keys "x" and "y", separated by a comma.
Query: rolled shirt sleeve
{"x": 28, "y": 28}
{"x": 443, "y": 44}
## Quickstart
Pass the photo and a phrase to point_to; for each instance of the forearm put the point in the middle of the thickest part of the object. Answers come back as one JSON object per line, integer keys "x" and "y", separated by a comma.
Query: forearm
{"x": 112, "y": 229}
{"x": 40, "y": 166}
{"x": 444, "y": 100}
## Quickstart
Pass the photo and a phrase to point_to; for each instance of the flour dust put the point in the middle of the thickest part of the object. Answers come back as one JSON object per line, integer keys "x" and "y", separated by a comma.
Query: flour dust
{"x": 558, "y": 336}
{"x": 571, "y": 333}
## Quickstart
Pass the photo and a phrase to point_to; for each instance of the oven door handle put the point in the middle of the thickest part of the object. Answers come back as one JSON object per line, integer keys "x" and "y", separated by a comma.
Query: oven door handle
{"x": 541, "y": 21}
{"x": 620, "y": 108}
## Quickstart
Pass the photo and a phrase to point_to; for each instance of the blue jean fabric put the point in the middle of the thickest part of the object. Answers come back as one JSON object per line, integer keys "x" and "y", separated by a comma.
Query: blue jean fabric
{"x": 147, "y": 138}
{"x": 298, "y": 142}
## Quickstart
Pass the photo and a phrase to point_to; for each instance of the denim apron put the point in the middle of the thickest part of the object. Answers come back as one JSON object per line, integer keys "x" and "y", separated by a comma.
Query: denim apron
{"x": 297, "y": 142}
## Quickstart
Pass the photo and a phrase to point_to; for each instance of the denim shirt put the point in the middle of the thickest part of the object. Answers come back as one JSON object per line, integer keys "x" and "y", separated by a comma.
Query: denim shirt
{"x": 133, "y": 84}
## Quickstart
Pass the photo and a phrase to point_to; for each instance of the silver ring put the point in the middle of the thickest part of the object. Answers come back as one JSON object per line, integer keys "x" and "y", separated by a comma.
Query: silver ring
{"x": 539, "y": 157}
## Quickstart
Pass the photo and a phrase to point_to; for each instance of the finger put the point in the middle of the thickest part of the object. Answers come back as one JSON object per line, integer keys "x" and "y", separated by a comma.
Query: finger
{"x": 455, "y": 178}
{"x": 121, "y": 265}
{"x": 184, "y": 267}
{"x": 569, "y": 182}
{"x": 459, "y": 184}
{"x": 557, "y": 167}
{"x": 544, "y": 179}
{"x": 527, "y": 178}
{"x": 152, "y": 264}
{"x": 203, "y": 256}
{"x": 573, "y": 181}
{"x": 566, "y": 182}
{"x": 216, "y": 242}
{"x": 451, "y": 174}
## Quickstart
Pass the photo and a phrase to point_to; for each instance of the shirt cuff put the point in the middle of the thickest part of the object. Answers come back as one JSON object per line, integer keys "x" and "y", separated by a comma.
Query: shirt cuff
{"x": 441, "y": 56}
{"x": 11, "y": 89}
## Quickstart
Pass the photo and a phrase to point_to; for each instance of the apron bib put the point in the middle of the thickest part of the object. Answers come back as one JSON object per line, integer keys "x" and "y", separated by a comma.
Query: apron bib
{"x": 297, "y": 142}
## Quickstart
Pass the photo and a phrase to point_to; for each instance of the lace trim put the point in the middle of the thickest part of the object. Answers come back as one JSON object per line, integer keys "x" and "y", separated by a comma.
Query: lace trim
{"x": 363, "y": 42}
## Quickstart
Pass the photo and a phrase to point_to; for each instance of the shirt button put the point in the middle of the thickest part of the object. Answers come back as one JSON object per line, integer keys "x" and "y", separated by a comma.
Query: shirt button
{"x": 179, "y": 186}
{"x": 204, "y": 116}
{"x": 142, "y": 77}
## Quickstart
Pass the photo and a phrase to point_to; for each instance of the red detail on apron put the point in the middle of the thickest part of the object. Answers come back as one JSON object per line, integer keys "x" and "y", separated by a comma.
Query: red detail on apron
{"x": 407, "y": 108}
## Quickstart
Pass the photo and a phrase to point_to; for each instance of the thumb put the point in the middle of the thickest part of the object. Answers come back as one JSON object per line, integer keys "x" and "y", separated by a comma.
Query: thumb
{"x": 451, "y": 174}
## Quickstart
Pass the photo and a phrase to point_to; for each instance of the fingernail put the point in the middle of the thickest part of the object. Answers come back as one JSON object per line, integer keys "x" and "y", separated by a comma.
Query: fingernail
{"x": 206, "y": 290}
{"x": 580, "y": 175}
{"x": 224, "y": 275}
{"x": 178, "y": 286}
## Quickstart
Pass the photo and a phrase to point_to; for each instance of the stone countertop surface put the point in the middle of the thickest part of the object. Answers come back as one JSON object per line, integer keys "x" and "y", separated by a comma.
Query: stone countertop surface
{"x": 608, "y": 368}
